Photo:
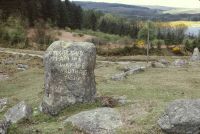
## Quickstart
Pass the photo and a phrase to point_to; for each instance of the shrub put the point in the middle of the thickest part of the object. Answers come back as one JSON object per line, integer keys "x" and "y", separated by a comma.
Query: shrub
{"x": 158, "y": 43}
{"x": 176, "y": 50}
{"x": 190, "y": 44}
{"x": 67, "y": 29}
{"x": 140, "y": 43}
{"x": 12, "y": 31}
{"x": 97, "y": 41}
{"x": 125, "y": 40}
{"x": 43, "y": 36}
{"x": 78, "y": 35}
{"x": 100, "y": 35}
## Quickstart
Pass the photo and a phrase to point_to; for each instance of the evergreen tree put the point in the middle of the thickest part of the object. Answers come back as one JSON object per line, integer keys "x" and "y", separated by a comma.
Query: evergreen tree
{"x": 63, "y": 18}
{"x": 93, "y": 21}
{"x": 56, "y": 12}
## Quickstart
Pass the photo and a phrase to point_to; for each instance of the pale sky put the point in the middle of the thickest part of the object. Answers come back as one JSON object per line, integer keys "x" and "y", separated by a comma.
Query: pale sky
{"x": 169, "y": 3}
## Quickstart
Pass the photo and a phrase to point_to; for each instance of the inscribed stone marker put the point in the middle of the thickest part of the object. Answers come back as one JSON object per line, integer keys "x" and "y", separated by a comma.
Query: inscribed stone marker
{"x": 69, "y": 75}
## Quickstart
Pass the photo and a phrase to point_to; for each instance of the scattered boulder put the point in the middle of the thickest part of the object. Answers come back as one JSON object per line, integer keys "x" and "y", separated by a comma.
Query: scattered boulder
{"x": 158, "y": 65}
{"x": 98, "y": 121}
{"x": 129, "y": 68}
{"x": 128, "y": 71}
{"x": 3, "y": 103}
{"x": 22, "y": 67}
{"x": 164, "y": 61}
{"x": 122, "y": 100}
{"x": 196, "y": 55}
{"x": 69, "y": 75}
{"x": 119, "y": 77}
{"x": 9, "y": 61}
{"x": 18, "y": 112}
{"x": 179, "y": 62}
{"x": 134, "y": 70}
{"x": 181, "y": 117}
{"x": 4, "y": 125}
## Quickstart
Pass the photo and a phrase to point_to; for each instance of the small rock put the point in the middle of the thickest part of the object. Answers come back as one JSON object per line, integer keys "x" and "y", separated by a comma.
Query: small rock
{"x": 9, "y": 61}
{"x": 18, "y": 112}
{"x": 129, "y": 68}
{"x": 128, "y": 71}
{"x": 97, "y": 121}
{"x": 122, "y": 100}
{"x": 135, "y": 69}
{"x": 158, "y": 65}
{"x": 196, "y": 55}
{"x": 22, "y": 67}
{"x": 164, "y": 61}
{"x": 3, "y": 103}
{"x": 4, "y": 126}
{"x": 181, "y": 117}
{"x": 119, "y": 77}
{"x": 179, "y": 62}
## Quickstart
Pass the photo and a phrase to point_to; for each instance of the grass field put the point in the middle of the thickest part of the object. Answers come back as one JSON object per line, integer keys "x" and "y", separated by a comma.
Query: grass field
{"x": 149, "y": 92}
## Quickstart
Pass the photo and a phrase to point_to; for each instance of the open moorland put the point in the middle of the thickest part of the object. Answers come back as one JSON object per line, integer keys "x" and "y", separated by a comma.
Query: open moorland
{"x": 72, "y": 67}
{"x": 147, "y": 92}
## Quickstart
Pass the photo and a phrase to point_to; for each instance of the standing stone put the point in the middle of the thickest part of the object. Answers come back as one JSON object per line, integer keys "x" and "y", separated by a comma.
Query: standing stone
{"x": 69, "y": 75}
{"x": 196, "y": 55}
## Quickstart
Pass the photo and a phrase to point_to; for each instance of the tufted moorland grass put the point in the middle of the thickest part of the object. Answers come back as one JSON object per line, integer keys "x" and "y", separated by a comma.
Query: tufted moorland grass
{"x": 29, "y": 86}
{"x": 149, "y": 92}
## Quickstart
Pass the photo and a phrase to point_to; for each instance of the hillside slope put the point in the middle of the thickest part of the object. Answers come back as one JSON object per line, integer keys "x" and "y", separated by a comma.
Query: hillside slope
{"x": 183, "y": 11}
{"x": 120, "y": 9}
{"x": 143, "y": 12}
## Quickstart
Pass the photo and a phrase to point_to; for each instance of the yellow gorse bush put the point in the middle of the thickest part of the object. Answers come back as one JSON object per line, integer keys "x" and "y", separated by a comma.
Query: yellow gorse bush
{"x": 140, "y": 43}
{"x": 176, "y": 49}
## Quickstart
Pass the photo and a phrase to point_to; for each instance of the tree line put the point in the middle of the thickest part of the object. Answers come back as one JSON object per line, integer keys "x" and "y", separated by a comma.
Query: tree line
{"x": 58, "y": 13}
{"x": 110, "y": 24}
{"x": 66, "y": 14}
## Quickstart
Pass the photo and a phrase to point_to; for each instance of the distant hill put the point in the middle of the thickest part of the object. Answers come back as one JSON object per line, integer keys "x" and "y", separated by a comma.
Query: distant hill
{"x": 120, "y": 9}
{"x": 162, "y": 8}
{"x": 183, "y": 11}
{"x": 143, "y": 12}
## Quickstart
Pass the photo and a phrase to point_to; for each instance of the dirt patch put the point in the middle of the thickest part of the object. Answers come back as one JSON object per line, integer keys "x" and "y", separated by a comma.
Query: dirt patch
{"x": 68, "y": 36}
